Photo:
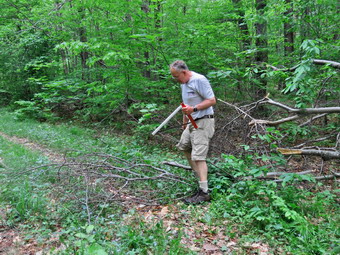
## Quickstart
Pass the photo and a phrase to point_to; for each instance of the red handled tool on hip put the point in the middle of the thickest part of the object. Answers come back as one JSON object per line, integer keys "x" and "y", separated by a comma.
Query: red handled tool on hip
{"x": 190, "y": 118}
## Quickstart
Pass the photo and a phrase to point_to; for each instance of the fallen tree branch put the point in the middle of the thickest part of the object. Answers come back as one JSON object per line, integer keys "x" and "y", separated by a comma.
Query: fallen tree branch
{"x": 315, "y": 61}
{"x": 312, "y": 119}
{"x": 326, "y": 62}
{"x": 274, "y": 122}
{"x": 325, "y": 154}
{"x": 303, "y": 111}
{"x": 337, "y": 141}
{"x": 292, "y": 69}
{"x": 318, "y": 178}
{"x": 312, "y": 141}
{"x": 173, "y": 163}
{"x": 270, "y": 175}
{"x": 336, "y": 174}
{"x": 95, "y": 179}
{"x": 273, "y": 175}
{"x": 299, "y": 113}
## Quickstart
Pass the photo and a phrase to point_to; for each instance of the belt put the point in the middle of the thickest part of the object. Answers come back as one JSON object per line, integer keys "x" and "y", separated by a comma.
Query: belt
{"x": 205, "y": 117}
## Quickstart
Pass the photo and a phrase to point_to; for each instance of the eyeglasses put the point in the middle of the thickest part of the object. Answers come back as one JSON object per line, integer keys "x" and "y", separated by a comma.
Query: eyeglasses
{"x": 177, "y": 76}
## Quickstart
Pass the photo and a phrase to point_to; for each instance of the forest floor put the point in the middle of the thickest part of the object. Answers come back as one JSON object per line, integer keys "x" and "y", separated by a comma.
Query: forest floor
{"x": 198, "y": 231}
{"x": 14, "y": 241}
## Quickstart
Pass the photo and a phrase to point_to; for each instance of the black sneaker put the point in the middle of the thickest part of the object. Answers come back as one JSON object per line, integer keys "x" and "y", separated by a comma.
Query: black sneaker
{"x": 199, "y": 197}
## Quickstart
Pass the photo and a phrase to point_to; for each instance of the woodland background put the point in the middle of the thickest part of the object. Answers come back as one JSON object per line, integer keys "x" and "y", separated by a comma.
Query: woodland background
{"x": 92, "y": 59}
{"x": 104, "y": 64}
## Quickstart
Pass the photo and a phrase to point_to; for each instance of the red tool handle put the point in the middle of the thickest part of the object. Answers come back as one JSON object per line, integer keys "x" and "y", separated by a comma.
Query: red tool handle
{"x": 190, "y": 118}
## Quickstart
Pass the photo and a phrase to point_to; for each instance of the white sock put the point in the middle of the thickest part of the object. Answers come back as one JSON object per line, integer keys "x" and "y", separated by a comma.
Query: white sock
{"x": 204, "y": 186}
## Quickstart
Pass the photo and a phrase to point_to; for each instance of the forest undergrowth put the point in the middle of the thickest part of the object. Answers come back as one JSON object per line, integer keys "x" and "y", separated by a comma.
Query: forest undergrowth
{"x": 67, "y": 189}
{"x": 89, "y": 81}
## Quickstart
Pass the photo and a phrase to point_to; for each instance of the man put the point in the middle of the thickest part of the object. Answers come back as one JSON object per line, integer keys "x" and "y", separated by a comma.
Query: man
{"x": 199, "y": 98}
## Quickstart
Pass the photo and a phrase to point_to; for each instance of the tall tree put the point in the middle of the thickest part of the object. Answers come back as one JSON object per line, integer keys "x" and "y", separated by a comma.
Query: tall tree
{"x": 117, "y": 52}
{"x": 242, "y": 24}
{"x": 84, "y": 54}
{"x": 288, "y": 29}
{"x": 261, "y": 42}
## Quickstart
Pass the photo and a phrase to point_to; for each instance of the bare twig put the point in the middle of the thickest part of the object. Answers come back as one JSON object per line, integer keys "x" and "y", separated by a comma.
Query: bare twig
{"x": 172, "y": 163}
{"x": 312, "y": 141}
{"x": 98, "y": 179}
{"x": 337, "y": 141}
{"x": 326, "y": 62}
{"x": 245, "y": 114}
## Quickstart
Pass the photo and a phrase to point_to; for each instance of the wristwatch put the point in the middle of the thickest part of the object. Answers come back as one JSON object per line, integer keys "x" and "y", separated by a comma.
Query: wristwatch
{"x": 195, "y": 109}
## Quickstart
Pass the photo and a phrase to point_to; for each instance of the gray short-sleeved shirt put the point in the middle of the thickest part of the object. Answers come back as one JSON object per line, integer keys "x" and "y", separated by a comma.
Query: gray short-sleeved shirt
{"x": 195, "y": 91}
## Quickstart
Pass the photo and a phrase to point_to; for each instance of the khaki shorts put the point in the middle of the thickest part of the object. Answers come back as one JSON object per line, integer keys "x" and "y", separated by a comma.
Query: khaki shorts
{"x": 197, "y": 140}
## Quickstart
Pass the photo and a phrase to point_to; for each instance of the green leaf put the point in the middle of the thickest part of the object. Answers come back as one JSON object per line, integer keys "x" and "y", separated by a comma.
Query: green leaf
{"x": 81, "y": 235}
{"x": 89, "y": 229}
{"x": 96, "y": 249}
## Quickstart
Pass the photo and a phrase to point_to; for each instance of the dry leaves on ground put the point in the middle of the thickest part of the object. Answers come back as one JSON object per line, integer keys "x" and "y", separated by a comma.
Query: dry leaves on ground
{"x": 199, "y": 236}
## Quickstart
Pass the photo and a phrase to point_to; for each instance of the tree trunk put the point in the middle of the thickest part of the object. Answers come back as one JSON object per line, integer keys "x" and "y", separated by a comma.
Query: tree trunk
{"x": 63, "y": 52}
{"x": 288, "y": 30}
{"x": 261, "y": 55}
{"x": 84, "y": 55}
{"x": 146, "y": 65}
{"x": 242, "y": 24}
{"x": 245, "y": 42}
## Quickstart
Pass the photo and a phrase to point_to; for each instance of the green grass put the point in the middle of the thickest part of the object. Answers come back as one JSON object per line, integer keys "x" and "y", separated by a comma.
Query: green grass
{"x": 59, "y": 137}
{"x": 33, "y": 207}
{"x": 287, "y": 218}
{"x": 15, "y": 156}
{"x": 20, "y": 194}
{"x": 69, "y": 137}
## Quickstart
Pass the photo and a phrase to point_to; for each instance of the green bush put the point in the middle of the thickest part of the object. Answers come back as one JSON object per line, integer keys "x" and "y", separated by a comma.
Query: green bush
{"x": 276, "y": 212}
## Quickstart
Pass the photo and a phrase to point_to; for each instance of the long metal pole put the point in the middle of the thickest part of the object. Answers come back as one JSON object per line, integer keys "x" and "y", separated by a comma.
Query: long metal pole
{"x": 167, "y": 119}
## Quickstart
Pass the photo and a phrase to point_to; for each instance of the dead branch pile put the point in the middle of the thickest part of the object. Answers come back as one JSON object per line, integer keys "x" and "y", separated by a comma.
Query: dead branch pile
{"x": 232, "y": 128}
{"x": 245, "y": 125}
{"x": 96, "y": 180}
{"x": 239, "y": 125}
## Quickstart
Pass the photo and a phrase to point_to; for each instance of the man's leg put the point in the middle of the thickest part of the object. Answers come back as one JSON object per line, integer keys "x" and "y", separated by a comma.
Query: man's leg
{"x": 199, "y": 140}
{"x": 199, "y": 166}
{"x": 201, "y": 170}
{"x": 191, "y": 162}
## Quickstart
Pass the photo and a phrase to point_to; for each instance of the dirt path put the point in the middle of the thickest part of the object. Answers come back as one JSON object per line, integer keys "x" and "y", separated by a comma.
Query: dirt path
{"x": 12, "y": 241}
{"x": 53, "y": 156}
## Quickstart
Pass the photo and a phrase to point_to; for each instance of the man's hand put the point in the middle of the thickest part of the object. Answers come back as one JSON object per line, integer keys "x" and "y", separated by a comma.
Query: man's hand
{"x": 188, "y": 110}
{"x": 201, "y": 106}
{"x": 187, "y": 115}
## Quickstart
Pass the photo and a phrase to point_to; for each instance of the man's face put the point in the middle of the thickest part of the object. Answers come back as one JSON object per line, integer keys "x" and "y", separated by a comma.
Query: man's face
{"x": 179, "y": 76}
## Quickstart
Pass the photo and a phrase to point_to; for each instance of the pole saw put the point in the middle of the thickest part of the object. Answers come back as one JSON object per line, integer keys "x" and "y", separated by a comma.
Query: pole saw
{"x": 171, "y": 116}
